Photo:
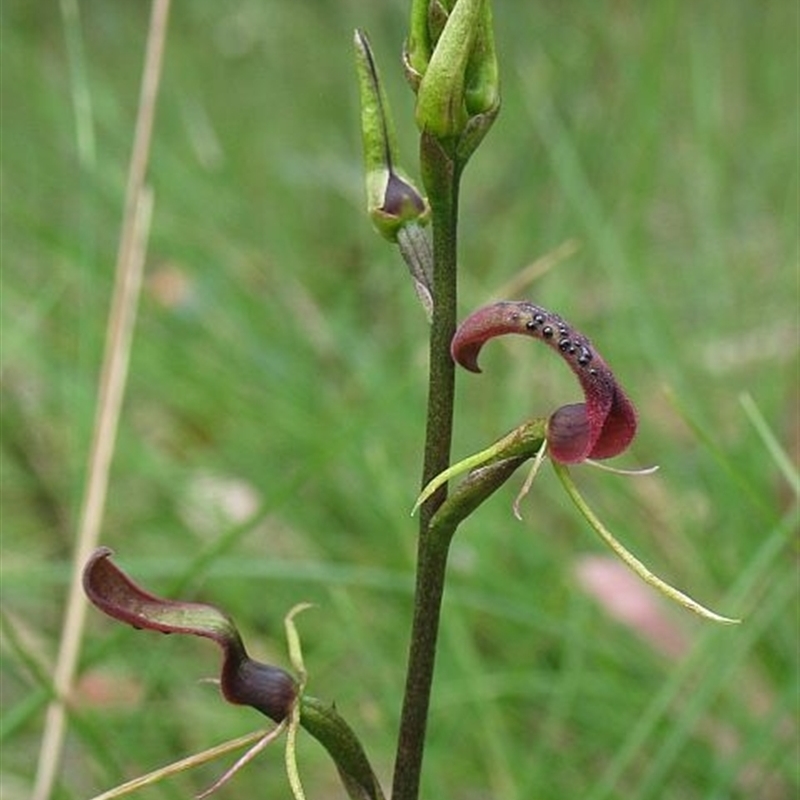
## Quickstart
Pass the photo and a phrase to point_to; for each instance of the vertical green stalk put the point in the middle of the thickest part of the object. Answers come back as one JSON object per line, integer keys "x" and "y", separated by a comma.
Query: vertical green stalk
{"x": 441, "y": 174}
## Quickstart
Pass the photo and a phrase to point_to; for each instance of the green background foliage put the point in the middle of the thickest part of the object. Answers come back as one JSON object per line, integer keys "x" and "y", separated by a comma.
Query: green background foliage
{"x": 269, "y": 444}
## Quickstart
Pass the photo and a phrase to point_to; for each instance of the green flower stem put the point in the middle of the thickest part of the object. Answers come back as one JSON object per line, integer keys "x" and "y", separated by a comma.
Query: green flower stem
{"x": 441, "y": 176}
{"x": 434, "y": 546}
{"x": 323, "y": 722}
{"x": 431, "y": 566}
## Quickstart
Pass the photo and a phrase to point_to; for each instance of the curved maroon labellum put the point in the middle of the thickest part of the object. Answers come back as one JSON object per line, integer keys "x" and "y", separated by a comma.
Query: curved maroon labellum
{"x": 602, "y": 426}
{"x": 269, "y": 689}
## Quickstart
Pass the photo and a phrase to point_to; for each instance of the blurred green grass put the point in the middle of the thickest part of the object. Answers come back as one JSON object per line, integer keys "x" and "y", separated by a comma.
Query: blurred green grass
{"x": 269, "y": 450}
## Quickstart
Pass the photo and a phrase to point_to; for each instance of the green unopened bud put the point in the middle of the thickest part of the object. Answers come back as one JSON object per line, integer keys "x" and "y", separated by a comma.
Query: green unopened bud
{"x": 482, "y": 90}
{"x": 441, "y": 110}
{"x": 392, "y": 199}
{"x": 438, "y": 12}
{"x": 458, "y": 92}
{"x": 418, "y": 46}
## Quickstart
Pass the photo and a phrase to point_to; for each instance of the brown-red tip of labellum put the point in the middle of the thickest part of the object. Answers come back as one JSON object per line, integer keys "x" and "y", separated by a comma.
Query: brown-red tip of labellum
{"x": 601, "y": 427}
{"x": 115, "y": 594}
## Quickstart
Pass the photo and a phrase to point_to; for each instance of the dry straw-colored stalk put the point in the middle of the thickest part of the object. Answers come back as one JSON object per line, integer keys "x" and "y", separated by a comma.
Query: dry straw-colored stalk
{"x": 111, "y": 388}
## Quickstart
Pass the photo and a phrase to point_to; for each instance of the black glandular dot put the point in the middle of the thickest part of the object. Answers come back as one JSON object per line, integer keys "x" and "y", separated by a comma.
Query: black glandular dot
{"x": 547, "y": 332}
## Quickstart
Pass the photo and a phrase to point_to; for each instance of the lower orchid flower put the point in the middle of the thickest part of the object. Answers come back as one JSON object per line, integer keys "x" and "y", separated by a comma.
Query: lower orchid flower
{"x": 243, "y": 681}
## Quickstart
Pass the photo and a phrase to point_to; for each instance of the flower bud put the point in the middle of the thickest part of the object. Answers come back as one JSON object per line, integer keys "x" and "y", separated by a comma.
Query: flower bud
{"x": 418, "y": 47}
{"x": 482, "y": 86}
{"x": 454, "y": 68}
{"x": 392, "y": 199}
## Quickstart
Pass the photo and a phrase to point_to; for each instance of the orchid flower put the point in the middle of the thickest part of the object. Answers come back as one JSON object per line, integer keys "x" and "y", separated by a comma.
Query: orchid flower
{"x": 601, "y": 427}
{"x": 243, "y": 681}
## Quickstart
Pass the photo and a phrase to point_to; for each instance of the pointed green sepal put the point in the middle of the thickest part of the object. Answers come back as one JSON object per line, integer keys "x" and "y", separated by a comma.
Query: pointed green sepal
{"x": 628, "y": 558}
{"x": 523, "y": 442}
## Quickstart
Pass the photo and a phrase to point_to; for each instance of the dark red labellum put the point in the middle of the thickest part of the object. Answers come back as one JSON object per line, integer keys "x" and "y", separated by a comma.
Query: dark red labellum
{"x": 601, "y": 427}
{"x": 271, "y": 690}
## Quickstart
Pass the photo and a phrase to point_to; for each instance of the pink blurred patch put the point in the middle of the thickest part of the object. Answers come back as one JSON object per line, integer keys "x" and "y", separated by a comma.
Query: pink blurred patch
{"x": 631, "y": 602}
{"x": 170, "y": 286}
{"x": 627, "y": 599}
{"x": 100, "y": 689}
